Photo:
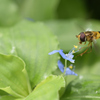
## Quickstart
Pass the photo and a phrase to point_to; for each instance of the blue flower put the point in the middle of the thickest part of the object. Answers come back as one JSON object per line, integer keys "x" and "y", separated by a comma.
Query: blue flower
{"x": 61, "y": 66}
{"x": 68, "y": 70}
{"x": 68, "y": 56}
{"x": 30, "y": 19}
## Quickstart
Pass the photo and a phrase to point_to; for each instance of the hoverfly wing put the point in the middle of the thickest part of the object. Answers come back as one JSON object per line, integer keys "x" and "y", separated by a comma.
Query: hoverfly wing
{"x": 96, "y": 47}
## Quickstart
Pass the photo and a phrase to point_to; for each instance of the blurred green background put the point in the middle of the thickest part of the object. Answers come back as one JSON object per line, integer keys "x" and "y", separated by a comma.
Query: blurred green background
{"x": 12, "y": 11}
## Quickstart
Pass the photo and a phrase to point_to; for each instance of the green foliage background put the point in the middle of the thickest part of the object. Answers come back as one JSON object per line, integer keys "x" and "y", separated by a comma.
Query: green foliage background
{"x": 29, "y": 30}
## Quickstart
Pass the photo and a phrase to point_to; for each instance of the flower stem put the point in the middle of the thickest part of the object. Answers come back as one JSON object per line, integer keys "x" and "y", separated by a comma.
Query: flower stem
{"x": 65, "y": 63}
{"x": 65, "y": 71}
{"x": 65, "y": 66}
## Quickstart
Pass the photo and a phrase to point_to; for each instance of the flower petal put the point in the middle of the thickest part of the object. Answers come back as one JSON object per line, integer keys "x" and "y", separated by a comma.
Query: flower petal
{"x": 55, "y": 51}
{"x": 68, "y": 57}
{"x": 30, "y": 19}
{"x": 70, "y": 72}
{"x": 72, "y": 60}
{"x": 61, "y": 66}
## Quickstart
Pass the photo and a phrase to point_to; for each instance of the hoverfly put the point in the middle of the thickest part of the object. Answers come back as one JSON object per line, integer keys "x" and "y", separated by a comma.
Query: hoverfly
{"x": 89, "y": 36}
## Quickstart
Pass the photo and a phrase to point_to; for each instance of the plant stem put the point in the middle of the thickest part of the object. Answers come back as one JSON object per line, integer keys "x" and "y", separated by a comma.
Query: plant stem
{"x": 65, "y": 63}
{"x": 65, "y": 66}
{"x": 65, "y": 71}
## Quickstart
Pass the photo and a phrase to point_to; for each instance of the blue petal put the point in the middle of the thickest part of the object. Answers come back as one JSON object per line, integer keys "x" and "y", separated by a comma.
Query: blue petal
{"x": 30, "y": 19}
{"x": 65, "y": 57}
{"x": 69, "y": 56}
{"x": 72, "y": 60}
{"x": 61, "y": 66}
{"x": 55, "y": 51}
{"x": 70, "y": 72}
{"x": 62, "y": 54}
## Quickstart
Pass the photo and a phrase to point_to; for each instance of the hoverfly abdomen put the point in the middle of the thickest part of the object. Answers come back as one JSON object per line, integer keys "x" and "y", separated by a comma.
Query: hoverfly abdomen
{"x": 82, "y": 37}
{"x": 97, "y": 34}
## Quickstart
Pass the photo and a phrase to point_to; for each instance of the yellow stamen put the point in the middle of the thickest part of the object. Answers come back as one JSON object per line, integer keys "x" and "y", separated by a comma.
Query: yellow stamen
{"x": 70, "y": 67}
{"x": 75, "y": 46}
{"x": 73, "y": 51}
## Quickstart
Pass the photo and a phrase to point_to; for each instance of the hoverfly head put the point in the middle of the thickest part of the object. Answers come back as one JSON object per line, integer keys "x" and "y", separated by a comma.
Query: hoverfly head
{"x": 82, "y": 37}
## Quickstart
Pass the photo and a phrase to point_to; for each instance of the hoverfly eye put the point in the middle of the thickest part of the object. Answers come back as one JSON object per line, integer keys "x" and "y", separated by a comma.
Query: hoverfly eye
{"x": 82, "y": 36}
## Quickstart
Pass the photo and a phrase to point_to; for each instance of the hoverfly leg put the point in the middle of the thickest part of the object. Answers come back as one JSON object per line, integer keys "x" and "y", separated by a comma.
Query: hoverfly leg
{"x": 77, "y": 36}
{"x": 84, "y": 51}
{"x": 79, "y": 43}
{"x": 89, "y": 46}
{"x": 83, "y": 47}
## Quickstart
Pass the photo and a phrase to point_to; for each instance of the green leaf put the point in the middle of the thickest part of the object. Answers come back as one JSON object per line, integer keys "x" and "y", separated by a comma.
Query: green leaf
{"x": 3, "y": 93}
{"x": 85, "y": 87}
{"x": 40, "y": 9}
{"x": 48, "y": 89}
{"x": 8, "y": 97}
{"x": 32, "y": 41}
{"x": 13, "y": 76}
